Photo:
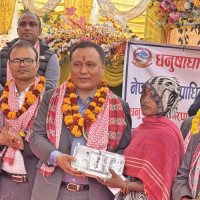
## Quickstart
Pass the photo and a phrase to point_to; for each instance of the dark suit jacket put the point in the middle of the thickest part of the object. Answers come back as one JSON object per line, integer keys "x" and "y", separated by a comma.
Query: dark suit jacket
{"x": 195, "y": 106}
{"x": 186, "y": 126}
{"x": 47, "y": 188}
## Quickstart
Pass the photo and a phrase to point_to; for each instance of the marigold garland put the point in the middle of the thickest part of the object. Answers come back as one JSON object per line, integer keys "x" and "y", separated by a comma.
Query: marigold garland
{"x": 195, "y": 123}
{"x": 30, "y": 98}
{"x": 73, "y": 119}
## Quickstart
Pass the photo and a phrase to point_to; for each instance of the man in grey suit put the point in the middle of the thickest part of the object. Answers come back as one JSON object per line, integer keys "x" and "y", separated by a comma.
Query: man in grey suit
{"x": 19, "y": 103}
{"x": 82, "y": 111}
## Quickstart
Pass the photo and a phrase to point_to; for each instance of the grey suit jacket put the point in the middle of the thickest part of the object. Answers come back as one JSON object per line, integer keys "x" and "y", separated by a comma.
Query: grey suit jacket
{"x": 47, "y": 188}
{"x": 180, "y": 187}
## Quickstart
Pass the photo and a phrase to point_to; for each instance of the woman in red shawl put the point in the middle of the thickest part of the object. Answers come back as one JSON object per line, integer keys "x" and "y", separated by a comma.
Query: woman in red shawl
{"x": 156, "y": 148}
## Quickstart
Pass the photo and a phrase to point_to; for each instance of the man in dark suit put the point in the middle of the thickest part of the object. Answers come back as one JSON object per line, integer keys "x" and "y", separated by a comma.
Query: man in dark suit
{"x": 29, "y": 29}
{"x": 81, "y": 111}
{"x": 19, "y": 103}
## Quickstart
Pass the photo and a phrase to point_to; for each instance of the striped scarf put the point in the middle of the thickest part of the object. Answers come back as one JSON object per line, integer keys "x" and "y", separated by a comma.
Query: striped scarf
{"x": 104, "y": 134}
{"x": 22, "y": 123}
{"x": 194, "y": 173}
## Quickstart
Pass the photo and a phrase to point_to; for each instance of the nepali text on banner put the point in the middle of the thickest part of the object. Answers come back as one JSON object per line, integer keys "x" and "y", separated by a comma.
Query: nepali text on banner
{"x": 145, "y": 60}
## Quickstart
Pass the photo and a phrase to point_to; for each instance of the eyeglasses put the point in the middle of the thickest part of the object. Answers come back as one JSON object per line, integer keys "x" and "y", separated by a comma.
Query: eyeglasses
{"x": 26, "y": 61}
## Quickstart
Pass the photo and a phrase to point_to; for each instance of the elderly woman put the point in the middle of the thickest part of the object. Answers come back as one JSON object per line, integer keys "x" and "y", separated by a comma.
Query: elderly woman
{"x": 156, "y": 148}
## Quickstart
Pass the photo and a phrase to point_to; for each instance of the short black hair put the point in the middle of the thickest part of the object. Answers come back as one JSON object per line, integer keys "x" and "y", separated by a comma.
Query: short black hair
{"x": 23, "y": 43}
{"x": 88, "y": 44}
{"x": 30, "y": 13}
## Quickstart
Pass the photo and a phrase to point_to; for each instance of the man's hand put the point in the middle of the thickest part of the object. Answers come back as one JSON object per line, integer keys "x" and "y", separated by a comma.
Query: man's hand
{"x": 63, "y": 161}
{"x": 11, "y": 138}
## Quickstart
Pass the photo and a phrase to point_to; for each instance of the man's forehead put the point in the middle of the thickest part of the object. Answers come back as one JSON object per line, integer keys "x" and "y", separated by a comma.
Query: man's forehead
{"x": 28, "y": 18}
{"x": 85, "y": 49}
{"x": 84, "y": 58}
{"x": 85, "y": 53}
{"x": 26, "y": 49}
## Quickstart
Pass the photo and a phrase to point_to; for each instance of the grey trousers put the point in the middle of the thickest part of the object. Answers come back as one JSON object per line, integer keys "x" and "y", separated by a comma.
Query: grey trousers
{"x": 65, "y": 194}
{"x": 10, "y": 190}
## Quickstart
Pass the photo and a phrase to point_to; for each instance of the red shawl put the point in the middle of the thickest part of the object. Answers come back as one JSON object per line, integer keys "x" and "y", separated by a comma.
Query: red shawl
{"x": 154, "y": 154}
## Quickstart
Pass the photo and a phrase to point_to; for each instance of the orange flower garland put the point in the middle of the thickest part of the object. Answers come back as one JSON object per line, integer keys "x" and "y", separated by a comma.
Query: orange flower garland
{"x": 30, "y": 98}
{"x": 73, "y": 119}
{"x": 195, "y": 123}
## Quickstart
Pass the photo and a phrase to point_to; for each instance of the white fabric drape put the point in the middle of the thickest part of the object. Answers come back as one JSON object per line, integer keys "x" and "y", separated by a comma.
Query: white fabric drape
{"x": 94, "y": 16}
{"x": 50, "y": 5}
{"x": 122, "y": 16}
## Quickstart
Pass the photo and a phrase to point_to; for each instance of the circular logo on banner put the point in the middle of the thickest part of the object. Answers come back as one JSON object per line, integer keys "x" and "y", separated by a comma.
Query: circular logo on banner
{"x": 142, "y": 57}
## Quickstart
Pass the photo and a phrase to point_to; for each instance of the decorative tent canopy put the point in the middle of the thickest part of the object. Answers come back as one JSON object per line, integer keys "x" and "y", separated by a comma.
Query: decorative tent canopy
{"x": 125, "y": 12}
{"x": 109, "y": 9}
{"x": 49, "y": 5}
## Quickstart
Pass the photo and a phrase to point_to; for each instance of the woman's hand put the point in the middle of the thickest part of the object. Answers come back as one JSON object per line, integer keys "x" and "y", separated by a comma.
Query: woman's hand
{"x": 114, "y": 182}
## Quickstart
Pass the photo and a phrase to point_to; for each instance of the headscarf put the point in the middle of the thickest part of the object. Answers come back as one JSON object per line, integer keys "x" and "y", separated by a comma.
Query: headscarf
{"x": 165, "y": 91}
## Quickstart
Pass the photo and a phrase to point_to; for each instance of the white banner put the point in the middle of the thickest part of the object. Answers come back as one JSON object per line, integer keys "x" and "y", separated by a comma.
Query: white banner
{"x": 145, "y": 60}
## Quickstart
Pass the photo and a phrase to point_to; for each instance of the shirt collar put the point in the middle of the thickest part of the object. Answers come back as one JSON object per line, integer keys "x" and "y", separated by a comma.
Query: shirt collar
{"x": 89, "y": 97}
{"x": 25, "y": 91}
